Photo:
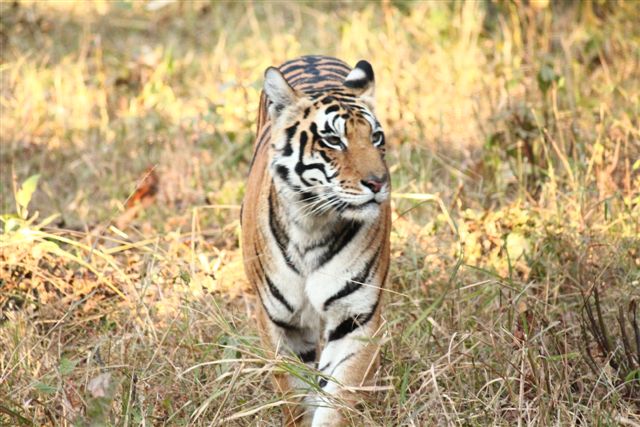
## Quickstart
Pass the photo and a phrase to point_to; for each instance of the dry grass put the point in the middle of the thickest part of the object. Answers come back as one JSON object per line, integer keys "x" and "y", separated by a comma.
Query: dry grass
{"x": 515, "y": 150}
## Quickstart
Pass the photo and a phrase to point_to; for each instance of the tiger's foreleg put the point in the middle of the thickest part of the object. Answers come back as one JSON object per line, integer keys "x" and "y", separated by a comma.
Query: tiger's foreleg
{"x": 349, "y": 358}
{"x": 289, "y": 339}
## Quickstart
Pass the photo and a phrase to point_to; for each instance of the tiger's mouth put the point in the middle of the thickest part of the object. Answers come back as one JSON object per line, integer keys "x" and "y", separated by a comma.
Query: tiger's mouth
{"x": 373, "y": 201}
{"x": 352, "y": 205}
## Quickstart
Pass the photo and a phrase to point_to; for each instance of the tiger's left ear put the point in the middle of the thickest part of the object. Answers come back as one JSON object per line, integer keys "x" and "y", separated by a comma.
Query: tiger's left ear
{"x": 361, "y": 81}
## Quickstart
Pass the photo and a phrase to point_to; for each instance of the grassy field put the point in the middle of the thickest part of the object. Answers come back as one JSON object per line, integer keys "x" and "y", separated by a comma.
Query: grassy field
{"x": 514, "y": 144}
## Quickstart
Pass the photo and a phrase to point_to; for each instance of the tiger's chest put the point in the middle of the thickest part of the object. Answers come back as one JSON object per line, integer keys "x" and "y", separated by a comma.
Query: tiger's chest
{"x": 303, "y": 243}
{"x": 310, "y": 262}
{"x": 314, "y": 249}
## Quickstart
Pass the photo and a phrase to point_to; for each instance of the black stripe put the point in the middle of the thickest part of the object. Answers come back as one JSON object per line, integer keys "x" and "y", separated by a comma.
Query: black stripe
{"x": 342, "y": 72}
{"x": 290, "y": 132}
{"x": 355, "y": 283}
{"x": 308, "y": 356}
{"x": 335, "y": 64}
{"x": 340, "y": 93}
{"x": 323, "y": 381}
{"x": 287, "y": 69}
{"x": 293, "y": 76}
{"x": 301, "y": 168}
{"x": 338, "y": 66}
{"x": 324, "y": 156}
{"x": 344, "y": 359}
{"x": 305, "y": 195}
{"x": 352, "y": 323}
{"x": 342, "y": 239}
{"x": 276, "y": 293}
{"x": 320, "y": 88}
{"x": 280, "y": 323}
{"x": 331, "y": 109}
{"x": 266, "y": 134}
{"x": 298, "y": 77}
{"x": 315, "y": 77}
{"x": 303, "y": 82}
{"x": 283, "y": 173}
{"x": 279, "y": 233}
{"x": 328, "y": 60}
{"x": 332, "y": 74}
{"x": 312, "y": 62}
{"x": 314, "y": 131}
{"x": 303, "y": 139}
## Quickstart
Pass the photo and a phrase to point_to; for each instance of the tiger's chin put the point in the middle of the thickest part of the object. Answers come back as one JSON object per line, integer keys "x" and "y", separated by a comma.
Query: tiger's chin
{"x": 367, "y": 212}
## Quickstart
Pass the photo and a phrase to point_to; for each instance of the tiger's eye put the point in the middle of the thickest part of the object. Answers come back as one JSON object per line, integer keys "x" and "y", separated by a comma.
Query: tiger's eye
{"x": 378, "y": 138}
{"x": 334, "y": 140}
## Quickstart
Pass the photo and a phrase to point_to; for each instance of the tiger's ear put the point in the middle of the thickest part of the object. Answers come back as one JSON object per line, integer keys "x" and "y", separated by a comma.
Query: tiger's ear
{"x": 361, "y": 81}
{"x": 279, "y": 92}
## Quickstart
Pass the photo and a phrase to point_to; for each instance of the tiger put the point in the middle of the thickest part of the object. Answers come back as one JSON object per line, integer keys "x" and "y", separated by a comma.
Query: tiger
{"x": 315, "y": 226}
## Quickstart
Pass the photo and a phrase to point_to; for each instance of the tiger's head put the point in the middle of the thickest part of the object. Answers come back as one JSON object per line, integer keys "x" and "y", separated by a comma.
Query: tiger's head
{"x": 328, "y": 147}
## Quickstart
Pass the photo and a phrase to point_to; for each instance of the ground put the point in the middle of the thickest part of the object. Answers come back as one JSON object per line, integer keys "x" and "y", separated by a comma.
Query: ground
{"x": 514, "y": 146}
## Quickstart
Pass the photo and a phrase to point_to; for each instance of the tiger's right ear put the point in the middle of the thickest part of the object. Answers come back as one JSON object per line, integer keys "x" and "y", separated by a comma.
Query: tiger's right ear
{"x": 279, "y": 92}
{"x": 361, "y": 81}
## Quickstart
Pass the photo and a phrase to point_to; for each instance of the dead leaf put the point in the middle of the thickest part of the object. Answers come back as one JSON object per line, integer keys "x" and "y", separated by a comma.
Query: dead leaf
{"x": 143, "y": 197}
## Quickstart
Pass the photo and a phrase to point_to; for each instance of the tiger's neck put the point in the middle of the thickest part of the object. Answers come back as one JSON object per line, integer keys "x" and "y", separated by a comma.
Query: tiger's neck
{"x": 307, "y": 238}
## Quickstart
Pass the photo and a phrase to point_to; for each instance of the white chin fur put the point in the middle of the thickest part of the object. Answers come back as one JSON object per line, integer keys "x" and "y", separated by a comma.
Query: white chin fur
{"x": 370, "y": 212}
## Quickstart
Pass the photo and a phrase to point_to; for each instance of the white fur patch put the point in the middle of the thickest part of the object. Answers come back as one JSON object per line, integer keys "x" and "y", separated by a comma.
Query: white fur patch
{"x": 356, "y": 74}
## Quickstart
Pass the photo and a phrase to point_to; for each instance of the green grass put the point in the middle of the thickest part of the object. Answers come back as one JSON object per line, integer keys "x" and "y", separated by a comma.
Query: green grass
{"x": 514, "y": 150}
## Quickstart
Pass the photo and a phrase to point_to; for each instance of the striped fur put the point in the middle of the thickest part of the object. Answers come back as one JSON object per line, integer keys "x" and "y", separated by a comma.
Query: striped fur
{"x": 315, "y": 227}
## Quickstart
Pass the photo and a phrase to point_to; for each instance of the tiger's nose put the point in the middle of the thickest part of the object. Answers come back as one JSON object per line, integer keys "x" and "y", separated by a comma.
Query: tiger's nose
{"x": 374, "y": 183}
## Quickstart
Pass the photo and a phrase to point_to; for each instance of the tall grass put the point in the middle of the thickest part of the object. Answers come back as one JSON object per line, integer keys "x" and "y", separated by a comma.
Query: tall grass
{"x": 514, "y": 150}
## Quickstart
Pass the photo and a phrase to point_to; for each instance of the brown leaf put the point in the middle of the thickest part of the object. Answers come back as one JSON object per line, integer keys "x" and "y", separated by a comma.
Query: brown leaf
{"x": 143, "y": 197}
{"x": 147, "y": 189}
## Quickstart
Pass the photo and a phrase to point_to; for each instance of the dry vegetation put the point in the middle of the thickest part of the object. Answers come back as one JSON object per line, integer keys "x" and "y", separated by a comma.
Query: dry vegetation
{"x": 515, "y": 152}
